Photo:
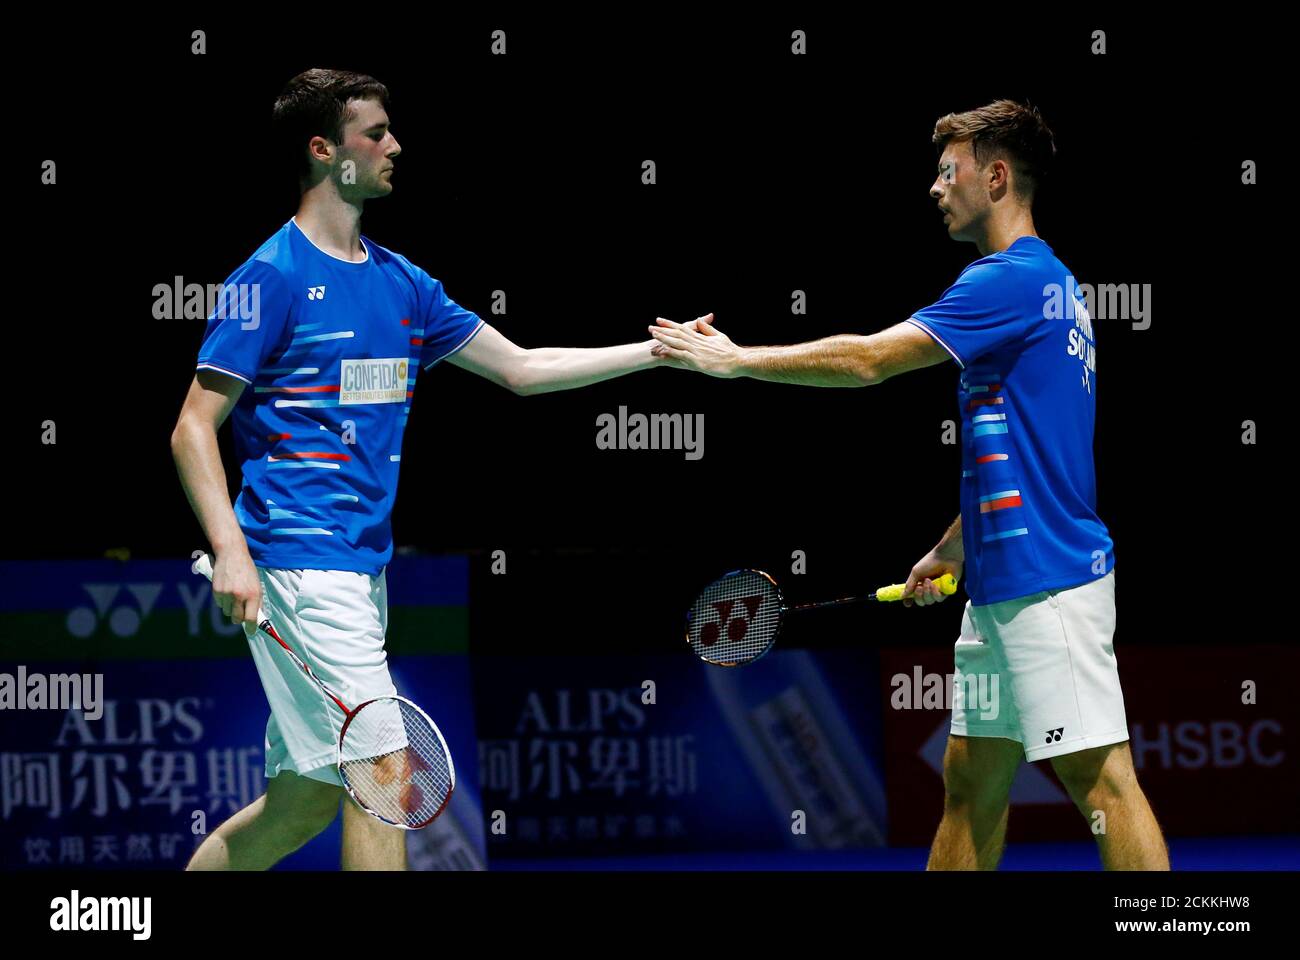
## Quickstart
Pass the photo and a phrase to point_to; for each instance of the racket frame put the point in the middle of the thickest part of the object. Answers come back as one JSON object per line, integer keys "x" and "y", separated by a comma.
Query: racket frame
{"x": 451, "y": 768}
{"x": 781, "y": 609}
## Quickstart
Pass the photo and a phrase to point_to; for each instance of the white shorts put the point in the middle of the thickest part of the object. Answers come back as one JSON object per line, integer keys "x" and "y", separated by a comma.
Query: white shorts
{"x": 1041, "y": 670}
{"x": 335, "y": 621}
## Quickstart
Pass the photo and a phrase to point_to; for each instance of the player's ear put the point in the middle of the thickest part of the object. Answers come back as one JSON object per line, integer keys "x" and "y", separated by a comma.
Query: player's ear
{"x": 999, "y": 171}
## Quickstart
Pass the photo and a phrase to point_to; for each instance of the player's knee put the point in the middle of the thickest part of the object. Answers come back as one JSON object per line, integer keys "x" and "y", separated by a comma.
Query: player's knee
{"x": 973, "y": 793}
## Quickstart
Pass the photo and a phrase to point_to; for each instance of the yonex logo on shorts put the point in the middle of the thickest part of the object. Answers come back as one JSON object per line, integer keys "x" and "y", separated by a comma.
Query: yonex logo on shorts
{"x": 1054, "y": 736}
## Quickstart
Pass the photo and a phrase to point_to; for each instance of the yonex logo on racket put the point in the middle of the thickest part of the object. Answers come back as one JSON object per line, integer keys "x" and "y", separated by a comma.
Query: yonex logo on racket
{"x": 733, "y": 628}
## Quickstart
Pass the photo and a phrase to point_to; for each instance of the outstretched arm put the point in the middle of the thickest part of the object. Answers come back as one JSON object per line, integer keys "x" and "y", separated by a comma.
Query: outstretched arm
{"x": 848, "y": 360}
{"x": 546, "y": 369}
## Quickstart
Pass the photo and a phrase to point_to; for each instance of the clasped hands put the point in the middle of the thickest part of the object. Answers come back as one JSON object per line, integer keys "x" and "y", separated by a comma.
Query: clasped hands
{"x": 697, "y": 345}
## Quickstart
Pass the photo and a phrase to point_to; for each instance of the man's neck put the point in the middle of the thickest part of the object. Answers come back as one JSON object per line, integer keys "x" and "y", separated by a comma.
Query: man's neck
{"x": 1002, "y": 235}
{"x": 332, "y": 225}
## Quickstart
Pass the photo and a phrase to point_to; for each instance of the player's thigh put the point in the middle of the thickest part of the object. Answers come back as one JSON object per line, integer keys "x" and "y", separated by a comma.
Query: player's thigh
{"x": 295, "y": 798}
{"x": 1107, "y": 768}
{"x": 980, "y": 769}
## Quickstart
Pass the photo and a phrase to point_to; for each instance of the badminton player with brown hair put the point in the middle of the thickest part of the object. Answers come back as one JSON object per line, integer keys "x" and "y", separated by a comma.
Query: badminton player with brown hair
{"x": 1039, "y": 562}
{"x": 318, "y": 378}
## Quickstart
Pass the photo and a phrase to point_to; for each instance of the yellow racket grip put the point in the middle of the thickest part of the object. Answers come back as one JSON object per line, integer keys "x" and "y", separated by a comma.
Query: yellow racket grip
{"x": 947, "y": 585}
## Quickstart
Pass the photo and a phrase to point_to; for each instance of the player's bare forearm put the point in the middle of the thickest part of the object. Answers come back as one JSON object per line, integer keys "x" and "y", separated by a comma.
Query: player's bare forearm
{"x": 548, "y": 369}
{"x": 198, "y": 461}
{"x": 950, "y": 546}
{"x": 840, "y": 361}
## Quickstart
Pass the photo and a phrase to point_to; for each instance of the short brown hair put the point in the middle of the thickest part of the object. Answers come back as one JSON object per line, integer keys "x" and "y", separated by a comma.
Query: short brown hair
{"x": 314, "y": 103}
{"x": 1003, "y": 130}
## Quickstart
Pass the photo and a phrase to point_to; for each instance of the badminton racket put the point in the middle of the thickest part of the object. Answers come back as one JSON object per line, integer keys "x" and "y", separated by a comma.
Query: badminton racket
{"x": 737, "y": 618}
{"x": 391, "y": 757}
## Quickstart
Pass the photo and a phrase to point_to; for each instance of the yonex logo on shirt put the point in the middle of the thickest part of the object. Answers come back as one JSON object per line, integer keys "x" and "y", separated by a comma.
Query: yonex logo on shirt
{"x": 316, "y": 293}
{"x": 373, "y": 381}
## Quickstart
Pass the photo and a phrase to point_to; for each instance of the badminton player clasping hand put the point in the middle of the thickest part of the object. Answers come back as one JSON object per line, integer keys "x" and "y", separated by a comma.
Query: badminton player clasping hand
{"x": 1039, "y": 562}
{"x": 313, "y": 355}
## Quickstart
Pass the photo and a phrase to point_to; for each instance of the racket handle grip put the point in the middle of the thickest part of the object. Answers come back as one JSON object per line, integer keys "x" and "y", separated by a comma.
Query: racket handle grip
{"x": 947, "y": 585}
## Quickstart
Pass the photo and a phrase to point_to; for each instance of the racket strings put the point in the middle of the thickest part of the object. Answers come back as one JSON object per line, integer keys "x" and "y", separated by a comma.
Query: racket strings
{"x": 736, "y": 618}
{"x": 395, "y": 763}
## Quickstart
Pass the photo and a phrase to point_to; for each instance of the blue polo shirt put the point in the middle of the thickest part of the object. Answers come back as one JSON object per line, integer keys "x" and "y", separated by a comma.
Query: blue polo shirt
{"x": 1026, "y": 346}
{"x": 330, "y": 351}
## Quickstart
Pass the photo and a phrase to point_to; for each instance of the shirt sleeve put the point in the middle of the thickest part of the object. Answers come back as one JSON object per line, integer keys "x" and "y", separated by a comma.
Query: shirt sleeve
{"x": 248, "y": 323}
{"x": 979, "y": 313}
{"x": 448, "y": 326}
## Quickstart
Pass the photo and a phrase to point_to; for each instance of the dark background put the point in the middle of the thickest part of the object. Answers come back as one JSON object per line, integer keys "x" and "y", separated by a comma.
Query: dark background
{"x": 775, "y": 173}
